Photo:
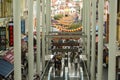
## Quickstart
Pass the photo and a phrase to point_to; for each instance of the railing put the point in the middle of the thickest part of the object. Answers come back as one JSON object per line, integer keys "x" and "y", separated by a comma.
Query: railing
{"x": 85, "y": 69}
{"x": 43, "y": 74}
{"x": 50, "y": 73}
{"x": 66, "y": 44}
{"x": 65, "y": 50}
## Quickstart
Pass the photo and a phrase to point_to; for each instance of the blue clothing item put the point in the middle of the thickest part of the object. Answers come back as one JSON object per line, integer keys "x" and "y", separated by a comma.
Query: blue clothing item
{"x": 6, "y": 68}
{"x": 97, "y": 28}
{"x": 26, "y": 38}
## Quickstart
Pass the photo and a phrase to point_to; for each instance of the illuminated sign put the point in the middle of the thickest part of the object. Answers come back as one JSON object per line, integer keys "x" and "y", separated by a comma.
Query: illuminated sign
{"x": 11, "y": 36}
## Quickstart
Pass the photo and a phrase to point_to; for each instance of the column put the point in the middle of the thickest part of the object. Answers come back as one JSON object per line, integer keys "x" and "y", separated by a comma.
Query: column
{"x": 49, "y": 13}
{"x": 83, "y": 9}
{"x": 17, "y": 39}
{"x": 86, "y": 16}
{"x": 30, "y": 41}
{"x": 83, "y": 24}
{"x": 38, "y": 38}
{"x": 88, "y": 35}
{"x": 22, "y": 7}
{"x": 93, "y": 40}
{"x": 112, "y": 40}
{"x": 43, "y": 34}
{"x": 47, "y": 23}
{"x": 100, "y": 39}
{"x": 50, "y": 20}
{"x": 85, "y": 39}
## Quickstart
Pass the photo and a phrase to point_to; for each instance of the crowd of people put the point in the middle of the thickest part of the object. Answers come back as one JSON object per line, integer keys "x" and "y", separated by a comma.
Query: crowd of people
{"x": 66, "y": 57}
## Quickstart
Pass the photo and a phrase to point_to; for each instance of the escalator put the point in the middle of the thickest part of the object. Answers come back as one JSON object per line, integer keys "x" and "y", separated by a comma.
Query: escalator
{"x": 66, "y": 73}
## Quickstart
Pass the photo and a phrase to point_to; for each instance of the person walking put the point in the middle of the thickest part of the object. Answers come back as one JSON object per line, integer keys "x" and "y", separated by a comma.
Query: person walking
{"x": 76, "y": 60}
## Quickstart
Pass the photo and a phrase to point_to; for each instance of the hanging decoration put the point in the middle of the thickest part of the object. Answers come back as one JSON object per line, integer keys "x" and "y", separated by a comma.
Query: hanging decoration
{"x": 68, "y": 24}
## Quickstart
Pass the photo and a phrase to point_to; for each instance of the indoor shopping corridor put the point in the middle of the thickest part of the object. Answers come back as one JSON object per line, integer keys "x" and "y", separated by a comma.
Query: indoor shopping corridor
{"x": 59, "y": 39}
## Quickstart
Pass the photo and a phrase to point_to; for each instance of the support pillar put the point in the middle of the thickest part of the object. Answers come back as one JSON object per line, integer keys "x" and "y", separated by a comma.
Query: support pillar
{"x": 88, "y": 35}
{"x": 93, "y": 40}
{"x": 100, "y": 40}
{"x": 47, "y": 23}
{"x": 22, "y": 7}
{"x": 43, "y": 34}
{"x": 38, "y": 38}
{"x": 112, "y": 40}
{"x": 17, "y": 39}
{"x": 30, "y": 41}
{"x": 83, "y": 24}
{"x": 85, "y": 39}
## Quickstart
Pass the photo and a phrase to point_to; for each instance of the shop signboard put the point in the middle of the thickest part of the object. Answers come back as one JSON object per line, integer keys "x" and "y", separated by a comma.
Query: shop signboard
{"x": 2, "y": 38}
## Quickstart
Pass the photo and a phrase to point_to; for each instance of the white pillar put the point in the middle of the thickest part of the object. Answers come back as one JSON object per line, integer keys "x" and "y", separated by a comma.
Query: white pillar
{"x": 47, "y": 16}
{"x": 100, "y": 40}
{"x": 83, "y": 24}
{"x": 49, "y": 12}
{"x": 82, "y": 16}
{"x": 112, "y": 40}
{"x": 17, "y": 39}
{"x": 88, "y": 35}
{"x": 30, "y": 41}
{"x": 43, "y": 34}
{"x": 49, "y": 28}
{"x": 93, "y": 40}
{"x": 38, "y": 38}
{"x": 47, "y": 23}
{"x": 22, "y": 6}
{"x": 85, "y": 40}
{"x": 86, "y": 16}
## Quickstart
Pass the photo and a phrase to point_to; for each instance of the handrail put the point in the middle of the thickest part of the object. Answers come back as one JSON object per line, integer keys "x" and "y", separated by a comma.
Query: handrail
{"x": 49, "y": 74}
{"x": 43, "y": 72}
{"x": 86, "y": 70}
